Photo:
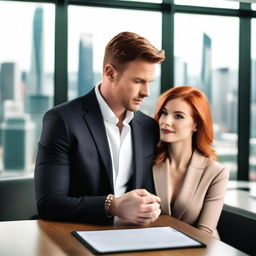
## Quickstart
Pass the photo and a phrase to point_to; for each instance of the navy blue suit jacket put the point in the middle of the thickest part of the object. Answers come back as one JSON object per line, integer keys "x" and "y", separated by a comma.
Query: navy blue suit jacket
{"x": 73, "y": 172}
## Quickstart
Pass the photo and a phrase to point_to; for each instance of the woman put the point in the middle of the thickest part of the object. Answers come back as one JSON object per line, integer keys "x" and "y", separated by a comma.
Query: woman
{"x": 190, "y": 183}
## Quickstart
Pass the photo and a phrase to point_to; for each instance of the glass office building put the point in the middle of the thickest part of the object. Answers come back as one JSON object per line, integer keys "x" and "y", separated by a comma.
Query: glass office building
{"x": 26, "y": 81}
{"x": 52, "y": 52}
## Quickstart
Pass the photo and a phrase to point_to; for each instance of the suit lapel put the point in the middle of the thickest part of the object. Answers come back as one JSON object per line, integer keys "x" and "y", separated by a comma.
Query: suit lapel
{"x": 137, "y": 150}
{"x": 190, "y": 184}
{"x": 95, "y": 123}
{"x": 161, "y": 176}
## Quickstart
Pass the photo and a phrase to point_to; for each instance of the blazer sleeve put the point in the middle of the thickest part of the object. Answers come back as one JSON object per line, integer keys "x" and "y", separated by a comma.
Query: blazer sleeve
{"x": 52, "y": 178}
{"x": 213, "y": 203}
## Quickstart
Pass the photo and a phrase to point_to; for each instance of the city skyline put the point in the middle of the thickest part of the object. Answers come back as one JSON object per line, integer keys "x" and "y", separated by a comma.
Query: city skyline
{"x": 23, "y": 104}
{"x": 21, "y": 52}
{"x": 34, "y": 89}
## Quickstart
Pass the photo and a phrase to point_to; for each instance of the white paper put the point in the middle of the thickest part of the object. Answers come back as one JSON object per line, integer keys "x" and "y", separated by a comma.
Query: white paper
{"x": 105, "y": 241}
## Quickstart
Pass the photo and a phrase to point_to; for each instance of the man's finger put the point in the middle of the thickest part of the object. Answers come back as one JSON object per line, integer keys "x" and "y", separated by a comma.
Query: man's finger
{"x": 151, "y": 199}
{"x": 150, "y": 207}
{"x": 141, "y": 192}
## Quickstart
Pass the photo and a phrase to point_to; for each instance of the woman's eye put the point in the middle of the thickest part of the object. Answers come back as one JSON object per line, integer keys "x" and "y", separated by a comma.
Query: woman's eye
{"x": 163, "y": 112}
{"x": 178, "y": 116}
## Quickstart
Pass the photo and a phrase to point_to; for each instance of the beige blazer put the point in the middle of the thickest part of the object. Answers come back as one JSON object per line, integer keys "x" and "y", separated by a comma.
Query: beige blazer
{"x": 200, "y": 200}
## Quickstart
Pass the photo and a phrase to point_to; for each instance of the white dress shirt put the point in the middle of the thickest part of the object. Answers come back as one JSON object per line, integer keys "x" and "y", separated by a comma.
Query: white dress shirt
{"x": 120, "y": 144}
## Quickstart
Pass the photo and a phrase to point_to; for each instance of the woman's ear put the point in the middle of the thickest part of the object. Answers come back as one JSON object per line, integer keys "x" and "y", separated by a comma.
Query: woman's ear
{"x": 195, "y": 128}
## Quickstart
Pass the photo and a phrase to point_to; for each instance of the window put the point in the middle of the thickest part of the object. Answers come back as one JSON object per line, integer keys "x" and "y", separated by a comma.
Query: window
{"x": 26, "y": 81}
{"x": 87, "y": 43}
{"x": 252, "y": 174}
{"x": 148, "y": 1}
{"x": 209, "y": 3}
{"x": 206, "y": 57}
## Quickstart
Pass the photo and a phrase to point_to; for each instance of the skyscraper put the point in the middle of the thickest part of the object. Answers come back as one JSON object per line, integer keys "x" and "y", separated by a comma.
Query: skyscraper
{"x": 17, "y": 138}
{"x": 253, "y": 92}
{"x": 9, "y": 85}
{"x": 38, "y": 105}
{"x": 253, "y": 99}
{"x": 38, "y": 101}
{"x": 206, "y": 73}
{"x": 225, "y": 99}
{"x": 181, "y": 71}
{"x": 85, "y": 67}
{"x": 37, "y": 56}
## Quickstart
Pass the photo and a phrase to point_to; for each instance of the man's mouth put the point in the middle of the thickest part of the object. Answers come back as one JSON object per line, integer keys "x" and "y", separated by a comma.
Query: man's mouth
{"x": 138, "y": 101}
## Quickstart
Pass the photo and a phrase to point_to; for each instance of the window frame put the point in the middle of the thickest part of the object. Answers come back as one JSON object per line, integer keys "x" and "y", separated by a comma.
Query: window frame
{"x": 168, "y": 9}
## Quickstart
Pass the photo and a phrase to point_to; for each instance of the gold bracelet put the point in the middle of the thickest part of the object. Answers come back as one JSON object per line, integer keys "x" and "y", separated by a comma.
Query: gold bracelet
{"x": 108, "y": 202}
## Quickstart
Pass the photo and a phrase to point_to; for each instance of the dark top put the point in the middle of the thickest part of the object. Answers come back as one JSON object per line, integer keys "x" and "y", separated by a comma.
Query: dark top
{"x": 73, "y": 172}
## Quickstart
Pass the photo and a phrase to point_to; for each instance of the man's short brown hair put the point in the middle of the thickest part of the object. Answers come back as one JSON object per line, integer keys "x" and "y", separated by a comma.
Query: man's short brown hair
{"x": 127, "y": 46}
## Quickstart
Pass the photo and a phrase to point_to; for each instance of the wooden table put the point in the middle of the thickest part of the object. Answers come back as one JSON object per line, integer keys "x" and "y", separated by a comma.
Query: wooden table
{"x": 46, "y": 238}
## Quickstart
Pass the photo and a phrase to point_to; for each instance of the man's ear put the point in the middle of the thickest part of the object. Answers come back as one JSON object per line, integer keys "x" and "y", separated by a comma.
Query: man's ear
{"x": 110, "y": 72}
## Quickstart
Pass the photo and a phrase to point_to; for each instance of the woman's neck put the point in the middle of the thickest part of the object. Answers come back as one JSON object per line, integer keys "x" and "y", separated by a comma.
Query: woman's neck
{"x": 180, "y": 154}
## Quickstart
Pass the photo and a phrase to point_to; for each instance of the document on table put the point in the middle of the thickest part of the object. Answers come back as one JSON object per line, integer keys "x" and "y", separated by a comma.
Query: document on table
{"x": 138, "y": 239}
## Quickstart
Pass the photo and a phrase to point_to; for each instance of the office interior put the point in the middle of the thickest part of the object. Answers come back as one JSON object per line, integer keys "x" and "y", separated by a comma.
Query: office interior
{"x": 51, "y": 52}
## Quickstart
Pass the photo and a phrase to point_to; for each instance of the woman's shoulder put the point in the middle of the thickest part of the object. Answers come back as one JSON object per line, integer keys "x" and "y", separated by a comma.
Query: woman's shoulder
{"x": 211, "y": 167}
{"x": 216, "y": 168}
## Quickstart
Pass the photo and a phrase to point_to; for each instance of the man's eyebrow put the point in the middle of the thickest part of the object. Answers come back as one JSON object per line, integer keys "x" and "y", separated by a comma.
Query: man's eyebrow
{"x": 142, "y": 79}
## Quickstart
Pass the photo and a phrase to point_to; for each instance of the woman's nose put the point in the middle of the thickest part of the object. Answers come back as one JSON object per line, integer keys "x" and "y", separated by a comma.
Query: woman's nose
{"x": 167, "y": 120}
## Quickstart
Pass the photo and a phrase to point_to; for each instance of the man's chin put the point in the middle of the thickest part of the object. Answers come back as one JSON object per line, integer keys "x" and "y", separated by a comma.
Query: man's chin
{"x": 134, "y": 108}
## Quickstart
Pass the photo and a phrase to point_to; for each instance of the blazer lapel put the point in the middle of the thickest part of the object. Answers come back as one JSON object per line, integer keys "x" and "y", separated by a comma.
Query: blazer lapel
{"x": 137, "y": 150}
{"x": 95, "y": 123}
{"x": 161, "y": 176}
{"x": 190, "y": 184}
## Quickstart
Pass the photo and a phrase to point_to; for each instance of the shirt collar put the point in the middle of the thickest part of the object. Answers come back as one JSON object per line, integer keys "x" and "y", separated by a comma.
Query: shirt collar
{"x": 107, "y": 113}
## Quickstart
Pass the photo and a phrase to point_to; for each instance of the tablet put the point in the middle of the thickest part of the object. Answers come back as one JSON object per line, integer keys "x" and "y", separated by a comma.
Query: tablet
{"x": 138, "y": 239}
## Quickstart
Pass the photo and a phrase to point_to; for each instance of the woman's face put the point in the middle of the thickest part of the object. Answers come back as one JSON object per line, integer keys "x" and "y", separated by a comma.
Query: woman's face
{"x": 176, "y": 121}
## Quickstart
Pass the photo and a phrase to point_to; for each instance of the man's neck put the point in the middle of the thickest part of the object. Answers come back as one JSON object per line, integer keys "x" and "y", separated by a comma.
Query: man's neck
{"x": 119, "y": 112}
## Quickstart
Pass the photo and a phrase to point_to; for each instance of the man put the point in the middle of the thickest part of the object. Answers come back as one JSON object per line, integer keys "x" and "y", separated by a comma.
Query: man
{"x": 97, "y": 147}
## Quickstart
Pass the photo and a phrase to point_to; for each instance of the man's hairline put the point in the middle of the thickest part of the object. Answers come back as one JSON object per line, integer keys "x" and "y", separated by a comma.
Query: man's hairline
{"x": 124, "y": 64}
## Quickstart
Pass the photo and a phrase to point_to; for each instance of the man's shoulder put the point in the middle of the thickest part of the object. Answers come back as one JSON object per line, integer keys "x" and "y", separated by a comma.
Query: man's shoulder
{"x": 146, "y": 122}
{"x": 144, "y": 117}
{"x": 75, "y": 104}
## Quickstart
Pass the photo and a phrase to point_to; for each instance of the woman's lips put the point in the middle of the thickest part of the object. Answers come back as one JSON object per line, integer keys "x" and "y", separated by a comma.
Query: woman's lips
{"x": 166, "y": 131}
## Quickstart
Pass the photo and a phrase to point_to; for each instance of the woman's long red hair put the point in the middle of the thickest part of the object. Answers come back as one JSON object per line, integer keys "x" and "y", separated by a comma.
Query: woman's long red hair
{"x": 203, "y": 137}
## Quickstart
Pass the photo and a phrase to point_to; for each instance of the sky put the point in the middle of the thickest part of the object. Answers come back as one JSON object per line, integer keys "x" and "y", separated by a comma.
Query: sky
{"x": 16, "y": 33}
{"x": 16, "y": 21}
{"x": 222, "y": 30}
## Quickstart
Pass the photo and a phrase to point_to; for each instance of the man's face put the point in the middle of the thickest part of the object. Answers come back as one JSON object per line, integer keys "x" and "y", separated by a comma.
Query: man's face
{"x": 131, "y": 86}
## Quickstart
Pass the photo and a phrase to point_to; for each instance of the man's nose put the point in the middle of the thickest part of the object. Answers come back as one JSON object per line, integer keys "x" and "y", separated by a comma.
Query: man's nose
{"x": 145, "y": 92}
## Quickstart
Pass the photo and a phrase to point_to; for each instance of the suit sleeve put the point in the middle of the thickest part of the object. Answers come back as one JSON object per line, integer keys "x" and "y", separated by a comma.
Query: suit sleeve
{"x": 52, "y": 178}
{"x": 213, "y": 203}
